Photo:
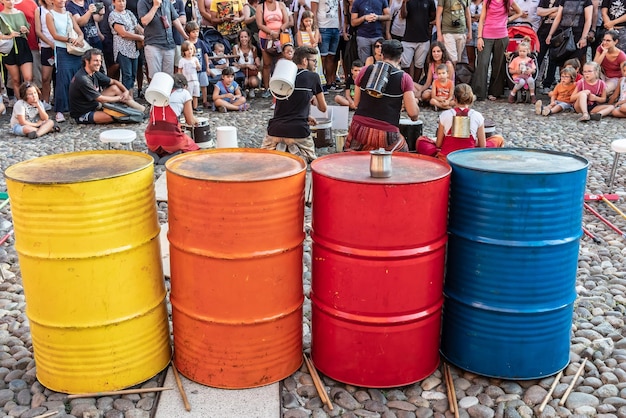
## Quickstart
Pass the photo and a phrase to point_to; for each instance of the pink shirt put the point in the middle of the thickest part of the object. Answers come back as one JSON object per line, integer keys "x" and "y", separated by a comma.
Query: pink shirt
{"x": 611, "y": 68}
{"x": 494, "y": 26}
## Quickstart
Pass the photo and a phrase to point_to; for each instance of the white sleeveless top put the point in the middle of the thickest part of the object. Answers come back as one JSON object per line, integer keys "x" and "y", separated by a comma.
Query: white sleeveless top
{"x": 60, "y": 24}
{"x": 43, "y": 12}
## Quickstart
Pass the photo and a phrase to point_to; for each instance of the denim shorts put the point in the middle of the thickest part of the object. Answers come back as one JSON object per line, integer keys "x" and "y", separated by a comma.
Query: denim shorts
{"x": 330, "y": 41}
{"x": 566, "y": 106}
{"x": 18, "y": 129}
{"x": 203, "y": 78}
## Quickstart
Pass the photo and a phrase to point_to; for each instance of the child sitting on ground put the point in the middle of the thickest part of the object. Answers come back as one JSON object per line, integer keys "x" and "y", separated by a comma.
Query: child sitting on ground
{"x": 443, "y": 89}
{"x": 446, "y": 143}
{"x": 227, "y": 94}
{"x": 522, "y": 69}
{"x": 575, "y": 64}
{"x": 561, "y": 96}
{"x": 590, "y": 94}
{"x": 619, "y": 95}
{"x": 29, "y": 118}
{"x": 348, "y": 98}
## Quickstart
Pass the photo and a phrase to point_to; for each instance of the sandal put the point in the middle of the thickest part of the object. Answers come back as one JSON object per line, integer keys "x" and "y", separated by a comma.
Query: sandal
{"x": 595, "y": 116}
{"x": 56, "y": 127}
{"x": 584, "y": 118}
{"x": 244, "y": 107}
{"x": 492, "y": 98}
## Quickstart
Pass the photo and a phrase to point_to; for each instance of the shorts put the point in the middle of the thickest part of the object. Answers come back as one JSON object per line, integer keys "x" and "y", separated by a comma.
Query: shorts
{"x": 415, "y": 52}
{"x": 194, "y": 88}
{"x": 18, "y": 129}
{"x": 330, "y": 41}
{"x": 86, "y": 118}
{"x": 47, "y": 57}
{"x": 566, "y": 106}
{"x": 22, "y": 57}
{"x": 203, "y": 79}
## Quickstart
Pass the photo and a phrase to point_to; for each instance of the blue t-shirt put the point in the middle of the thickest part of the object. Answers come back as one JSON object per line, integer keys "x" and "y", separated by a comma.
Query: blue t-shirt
{"x": 364, "y": 7}
{"x": 201, "y": 49}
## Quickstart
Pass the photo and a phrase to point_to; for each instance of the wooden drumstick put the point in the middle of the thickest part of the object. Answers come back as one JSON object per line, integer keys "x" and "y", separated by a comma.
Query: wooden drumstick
{"x": 179, "y": 383}
{"x": 556, "y": 382}
{"x": 573, "y": 382}
{"x": 116, "y": 392}
{"x": 318, "y": 382}
{"x": 450, "y": 383}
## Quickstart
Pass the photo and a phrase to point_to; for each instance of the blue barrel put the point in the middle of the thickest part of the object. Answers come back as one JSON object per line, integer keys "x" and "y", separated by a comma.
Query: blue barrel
{"x": 514, "y": 230}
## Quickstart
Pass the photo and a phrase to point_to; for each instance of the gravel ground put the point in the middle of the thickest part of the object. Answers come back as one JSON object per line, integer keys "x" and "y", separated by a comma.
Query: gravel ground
{"x": 598, "y": 330}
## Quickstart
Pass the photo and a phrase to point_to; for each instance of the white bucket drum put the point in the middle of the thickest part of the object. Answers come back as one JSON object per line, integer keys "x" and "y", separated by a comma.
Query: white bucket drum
{"x": 379, "y": 77}
{"x": 411, "y": 130}
{"x": 159, "y": 90}
{"x": 226, "y": 137}
{"x": 323, "y": 133}
{"x": 283, "y": 80}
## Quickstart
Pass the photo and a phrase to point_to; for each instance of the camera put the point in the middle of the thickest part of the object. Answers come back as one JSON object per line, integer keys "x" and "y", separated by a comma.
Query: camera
{"x": 456, "y": 23}
{"x": 99, "y": 6}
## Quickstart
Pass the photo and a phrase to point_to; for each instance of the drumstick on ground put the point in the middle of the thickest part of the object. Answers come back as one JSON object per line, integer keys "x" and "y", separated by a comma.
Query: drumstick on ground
{"x": 556, "y": 382}
{"x": 179, "y": 383}
{"x": 573, "y": 383}
{"x": 454, "y": 408}
{"x": 318, "y": 382}
{"x": 116, "y": 392}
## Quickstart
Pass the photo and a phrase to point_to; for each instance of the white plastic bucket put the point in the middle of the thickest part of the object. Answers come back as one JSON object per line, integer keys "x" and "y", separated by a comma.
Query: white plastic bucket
{"x": 159, "y": 90}
{"x": 226, "y": 137}
{"x": 283, "y": 80}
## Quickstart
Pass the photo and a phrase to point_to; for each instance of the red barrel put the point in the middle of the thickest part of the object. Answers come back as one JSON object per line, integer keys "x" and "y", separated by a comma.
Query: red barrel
{"x": 378, "y": 263}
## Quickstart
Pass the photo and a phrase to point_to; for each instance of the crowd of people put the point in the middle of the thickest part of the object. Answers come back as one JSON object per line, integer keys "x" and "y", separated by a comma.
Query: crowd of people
{"x": 227, "y": 49}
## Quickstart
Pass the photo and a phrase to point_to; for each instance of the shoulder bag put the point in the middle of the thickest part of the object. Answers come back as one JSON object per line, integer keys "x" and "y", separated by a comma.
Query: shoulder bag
{"x": 562, "y": 44}
{"x": 7, "y": 44}
{"x": 75, "y": 49}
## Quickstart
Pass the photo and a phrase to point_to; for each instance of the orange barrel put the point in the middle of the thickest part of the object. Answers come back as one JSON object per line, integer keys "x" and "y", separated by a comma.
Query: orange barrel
{"x": 378, "y": 262}
{"x": 87, "y": 237}
{"x": 236, "y": 220}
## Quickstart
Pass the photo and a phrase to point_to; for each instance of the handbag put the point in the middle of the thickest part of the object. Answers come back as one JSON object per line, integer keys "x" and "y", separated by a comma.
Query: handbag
{"x": 7, "y": 44}
{"x": 75, "y": 49}
{"x": 562, "y": 44}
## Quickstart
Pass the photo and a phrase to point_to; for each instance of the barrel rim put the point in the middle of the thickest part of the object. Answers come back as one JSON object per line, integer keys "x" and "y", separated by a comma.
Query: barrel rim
{"x": 169, "y": 163}
{"x": 538, "y": 150}
{"x": 149, "y": 163}
{"x": 383, "y": 181}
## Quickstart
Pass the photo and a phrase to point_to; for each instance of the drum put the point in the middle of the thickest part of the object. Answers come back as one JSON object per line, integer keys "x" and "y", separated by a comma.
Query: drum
{"x": 411, "y": 130}
{"x": 202, "y": 133}
{"x": 323, "y": 136}
{"x": 378, "y": 79}
{"x": 490, "y": 128}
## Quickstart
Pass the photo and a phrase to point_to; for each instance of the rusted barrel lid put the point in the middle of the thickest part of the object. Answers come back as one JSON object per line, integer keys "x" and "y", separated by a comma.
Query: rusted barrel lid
{"x": 77, "y": 167}
{"x": 235, "y": 165}
{"x": 355, "y": 167}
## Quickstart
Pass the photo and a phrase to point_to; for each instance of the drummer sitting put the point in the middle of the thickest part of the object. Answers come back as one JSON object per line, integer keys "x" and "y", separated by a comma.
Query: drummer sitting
{"x": 446, "y": 142}
{"x": 90, "y": 88}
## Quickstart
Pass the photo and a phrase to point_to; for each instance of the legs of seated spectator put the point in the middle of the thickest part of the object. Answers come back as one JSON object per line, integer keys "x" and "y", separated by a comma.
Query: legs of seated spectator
{"x": 115, "y": 91}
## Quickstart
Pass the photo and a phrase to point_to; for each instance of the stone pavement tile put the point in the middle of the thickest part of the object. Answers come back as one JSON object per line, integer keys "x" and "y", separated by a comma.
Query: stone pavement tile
{"x": 208, "y": 402}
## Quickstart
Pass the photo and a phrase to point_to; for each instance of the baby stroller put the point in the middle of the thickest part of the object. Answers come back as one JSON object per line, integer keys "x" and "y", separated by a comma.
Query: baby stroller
{"x": 517, "y": 32}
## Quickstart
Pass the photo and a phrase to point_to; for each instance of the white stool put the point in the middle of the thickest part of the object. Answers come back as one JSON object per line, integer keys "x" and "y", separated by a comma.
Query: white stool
{"x": 619, "y": 146}
{"x": 122, "y": 136}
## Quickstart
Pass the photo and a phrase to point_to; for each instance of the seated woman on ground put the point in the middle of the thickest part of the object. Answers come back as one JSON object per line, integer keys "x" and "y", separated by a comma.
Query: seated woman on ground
{"x": 590, "y": 94}
{"x": 377, "y": 54}
{"x": 29, "y": 118}
{"x": 610, "y": 58}
{"x": 446, "y": 143}
{"x": 437, "y": 55}
{"x": 164, "y": 136}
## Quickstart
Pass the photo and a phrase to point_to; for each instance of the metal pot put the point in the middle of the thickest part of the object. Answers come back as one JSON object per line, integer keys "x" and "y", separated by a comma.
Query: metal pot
{"x": 380, "y": 163}
{"x": 461, "y": 127}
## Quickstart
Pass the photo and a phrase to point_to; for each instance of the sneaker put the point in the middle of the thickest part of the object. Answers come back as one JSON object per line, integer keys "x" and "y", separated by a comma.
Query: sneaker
{"x": 251, "y": 94}
{"x": 281, "y": 146}
{"x": 197, "y": 110}
{"x": 59, "y": 117}
{"x": 511, "y": 98}
{"x": 595, "y": 116}
{"x": 335, "y": 88}
{"x": 538, "y": 107}
{"x": 325, "y": 89}
{"x": 546, "y": 111}
{"x": 46, "y": 106}
{"x": 273, "y": 106}
{"x": 266, "y": 94}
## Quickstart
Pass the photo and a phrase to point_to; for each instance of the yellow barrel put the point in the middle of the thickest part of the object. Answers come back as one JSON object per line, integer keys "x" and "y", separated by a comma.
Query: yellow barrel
{"x": 87, "y": 237}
